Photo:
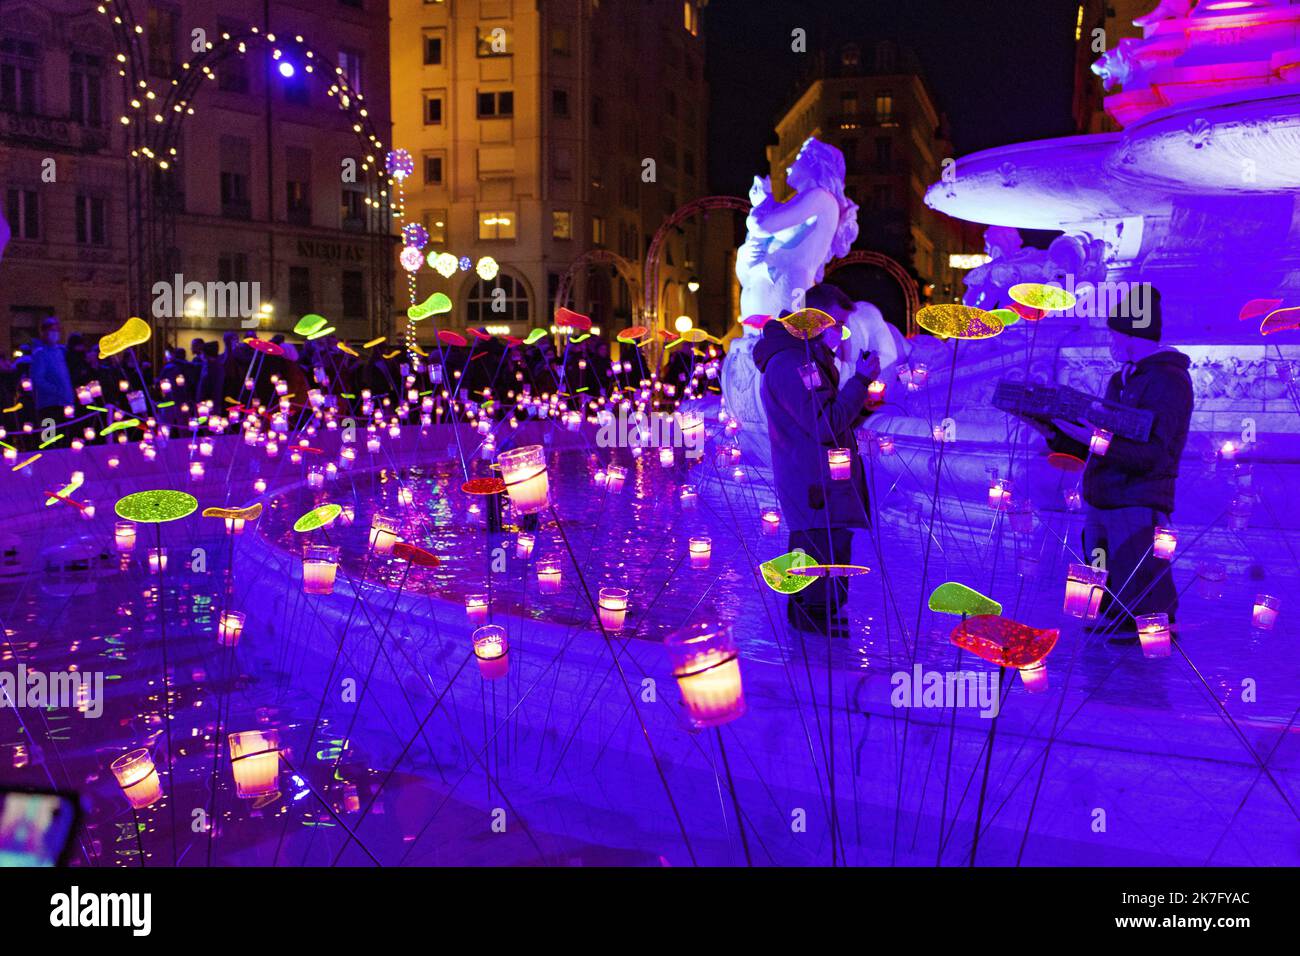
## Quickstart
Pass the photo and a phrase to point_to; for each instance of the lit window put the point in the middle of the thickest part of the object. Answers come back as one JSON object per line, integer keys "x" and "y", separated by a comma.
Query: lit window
{"x": 561, "y": 224}
{"x": 496, "y": 224}
{"x": 485, "y": 304}
{"x": 597, "y": 230}
{"x": 884, "y": 107}
{"x": 435, "y": 221}
{"x": 691, "y": 18}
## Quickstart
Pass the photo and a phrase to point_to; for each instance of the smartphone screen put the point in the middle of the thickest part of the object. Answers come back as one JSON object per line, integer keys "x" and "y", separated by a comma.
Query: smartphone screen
{"x": 36, "y": 829}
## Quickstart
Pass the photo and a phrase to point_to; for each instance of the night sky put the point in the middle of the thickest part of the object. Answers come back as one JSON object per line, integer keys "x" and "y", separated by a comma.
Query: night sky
{"x": 1001, "y": 70}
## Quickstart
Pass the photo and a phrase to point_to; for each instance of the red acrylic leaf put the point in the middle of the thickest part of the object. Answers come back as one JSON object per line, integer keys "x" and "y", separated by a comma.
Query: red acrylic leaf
{"x": 416, "y": 555}
{"x": 573, "y": 320}
{"x": 1004, "y": 642}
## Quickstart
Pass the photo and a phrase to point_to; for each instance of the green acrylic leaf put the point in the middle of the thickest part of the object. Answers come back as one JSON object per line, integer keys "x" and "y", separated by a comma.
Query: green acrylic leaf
{"x": 436, "y": 304}
{"x": 777, "y": 572}
{"x": 317, "y": 518}
{"x": 534, "y": 336}
{"x": 953, "y": 598}
{"x": 309, "y": 323}
{"x": 1006, "y": 316}
{"x": 155, "y": 507}
{"x": 118, "y": 426}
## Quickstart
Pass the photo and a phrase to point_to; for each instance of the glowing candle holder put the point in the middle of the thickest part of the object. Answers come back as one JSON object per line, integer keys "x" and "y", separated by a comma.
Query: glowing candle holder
{"x": 701, "y": 552}
{"x": 157, "y": 560}
{"x": 1210, "y": 576}
{"x": 255, "y": 762}
{"x": 1153, "y": 632}
{"x": 615, "y": 475}
{"x": 692, "y": 426}
{"x": 524, "y": 472}
{"x": 1239, "y": 512}
{"x": 1084, "y": 586}
{"x": 124, "y": 536}
{"x": 840, "y": 461}
{"x": 196, "y": 471}
{"x": 230, "y": 627}
{"x": 689, "y": 498}
{"x": 876, "y": 393}
{"x": 1099, "y": 443}
{"x": 1166, "y": 540}
{"x": 1034, "y": 677}
{"x": 999, "y": 493}
{"x": 1073, "y": 499}
{"x": 235, "y": 525}
{"x": 383, "y": 534}
{"x": 886, "y": 445}
{"x": 320, "y": 565}
{"x": 666, "y": 457}
{"x": 550, "y": 575}
{"x": 1020, "y": 515}
{"x": 138, "y": 778}
{"x": 612, "y": 605}
{"x": 771, "y": 521}
{"x": 524, "y": 545}
{"x": 476, "y": 608}
{"x": 706, "y": 664}
{"x": 1265, "y": 612}
{"x": 492, "y": 650}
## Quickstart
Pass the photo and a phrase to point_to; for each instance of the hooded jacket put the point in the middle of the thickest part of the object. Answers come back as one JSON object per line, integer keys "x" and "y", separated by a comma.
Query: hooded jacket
{"x": 803, "y": 423}
{"x": 1141, "y": 474}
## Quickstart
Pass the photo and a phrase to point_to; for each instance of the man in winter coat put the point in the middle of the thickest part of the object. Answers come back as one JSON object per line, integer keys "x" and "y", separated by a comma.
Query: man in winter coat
{"x": 1129, "y": 491}
{"x": 807, "y": 414}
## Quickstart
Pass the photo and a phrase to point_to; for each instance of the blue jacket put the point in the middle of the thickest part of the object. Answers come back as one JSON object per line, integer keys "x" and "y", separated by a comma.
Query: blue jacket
{"x": 51, "y": 382}
{"x": 802, "y": 424}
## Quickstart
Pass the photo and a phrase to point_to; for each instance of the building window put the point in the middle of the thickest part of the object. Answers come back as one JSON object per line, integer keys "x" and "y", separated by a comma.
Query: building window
{"x": 91, "y": 228}
{"x": 432, "y": 110}
{"x": 354, "y": 294}
{"x": 494, "y": 41}
{"x": 232, "y": 267}
{"x": 884, "y": 197}
{"x": 561, "y": 224}
{"x": 18, "y": 71}
{"x": 432, "y": 170}
{"x": 350, "y": 64}
{"x": 560, "y": 44}
{"x": 496, "y": 224}
{"x": 597, "y": 112}
{"x": 884, "y": 107}
{"x": 691, "y": 18}
{"x": 298, "y": 201}
{"x": 560, "y": 103}
{"x": 884, "y": 153}
{"x": 486, "y": 305}
{"x": 23, "y": 214}
{"x": 492, "y": 105}
{"x": 232, "y": 73}
{"x": 160, "y": 28}
{"x": 353, "y": 208}
{"x": 297, "y": 91}
{"x": 432, "y": 50}
{"x": 435, "y": 221}
{"x": 849, "y": 104}
{"x": 235, "y": 162}
{"x": 299, "y": 290}
{"x": 86, "y": 89}
{"x": 688, "y": 163}
{"x": 597, "y": 230}
{"x": 562, "y": 163}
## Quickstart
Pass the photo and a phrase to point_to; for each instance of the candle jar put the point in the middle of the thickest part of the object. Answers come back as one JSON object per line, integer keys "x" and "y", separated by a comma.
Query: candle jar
{"x": 876, "y": 393}
{"x": 1020, "y": 516}
{"x": 612, "y": 606}
{"x": 476, "y": 608}
{"x": 1239, "y": 512}
{"x": 492, "y": 650}
{"x": 701, "y": 550}
{"x": 138, "y": 778}
{"x": 1099, "y": 443}
{"x": 1153, "y": 632}
{"x": 1166, "y": 540}
{"x": 1210, "y": 576}
{"x": 1265, "y": 612}
{"x": 320, "y": 563}
{"x": 524, "y": 545}
{"x": 706, "y": 664}
{"x": 235, "y": 525}
{"x": 999, "y": 493}
{"x": 230, "y": 627}
{"x": 666, "y": 457}
{"x": 1034, "y": 677}
{"x": 771, "y": 521}
{"x": 886, "y": 444}
{"x": 1073, "y": 499}
{"x": 549, "y": 575}
{"x": 1084, "y": 586}
{"x": 157, "y": 560}
{"x": 615, "y": 475}
{"x": 840, "y": 462}
{"x": 383, "y": 534}
{"x": 196, "y": 471}
{"x": 255, "y": 762}
{"x": 124, "y": 536}
{"x": 524, "y": 472}
{"x": 688, "y": 497}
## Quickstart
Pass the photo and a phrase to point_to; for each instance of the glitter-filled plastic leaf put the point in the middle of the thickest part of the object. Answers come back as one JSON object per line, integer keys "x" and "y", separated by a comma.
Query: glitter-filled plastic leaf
{"x": 1045, "y": 298}
{"x": 310, "y": 324}
{"x": 777, "y": 572}
{"x": 830, "y": 571}
{"x": 448, "y": 337}
{"x": 808, "y": 323}
{"x": 317, "y": 518}
{"x": 155, "y": 507}
{"x": 535, "y": 335}
{"x": 135, "y": 331}
{"x": 756, "y": 321}
{"x": 251, "y": 513}
{"x": 1064, "y": 461}
{"x": 953, "y": 321}
{"x": 1004, "y": 642}
{"x": 118, "y": 426}
{"x": 265, "y": 347}
{"x": 483, "y": 486}
{"x": 1006, "y": 316}
{"x": 416, "y": 555}
{"x": 952, "y": 597}
{"x": 321, "y": 333}
{"x": 436, "y": 304}
{"x": 567, "y": 318}
{"x": 1281, "y": 320}
{"x": 1028, "y": 313}
{"x": 1257, "y": 307}
{"x": 632, "y": 333}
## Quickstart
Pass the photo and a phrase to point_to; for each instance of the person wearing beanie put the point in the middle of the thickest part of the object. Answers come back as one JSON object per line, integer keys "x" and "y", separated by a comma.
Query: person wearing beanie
{"x": 1129, "y": 491}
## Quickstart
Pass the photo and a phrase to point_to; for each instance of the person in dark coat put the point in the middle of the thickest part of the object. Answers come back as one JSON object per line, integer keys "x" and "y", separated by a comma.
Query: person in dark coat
{"x": 802, "y": 423}
{"x": 1129, "y": 491}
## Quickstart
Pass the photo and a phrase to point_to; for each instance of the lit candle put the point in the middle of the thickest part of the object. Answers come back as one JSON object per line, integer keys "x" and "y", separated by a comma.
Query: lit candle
{"x": 1166, "y": 540}
{"x": 706, "y": 664}
{"x": 688, "y": 498}
{"x": 138, "y": 778}
{"x": 315, "y": 479}
{"x": 692, "y": 426}
{"x": 1084, "y": 586}
{"x": 124, "y": 536}
{"x": 614, "y": 478}
{"x": 771, "y": 521}
{"x": 549, "y": 575}
{"x": 1034, "y": 677}
{"x": 320, "y": 564}
{"x": 1073, "y": 499}
{"x": 1228, "y": 451}
{"x": 666, "y": 457}
{"x": 383, "y": 534}
{"x": 196, "y": 470}
{"x": 524, "y": 545}
{"x": 1153, "y": 632}
{"x": 613, "y": 608}
{"x": 235, "y": 525}
{"x": 255, "y": 762}
{"x": 157, "y": 559}
{"x": 999, "y": 493}
{"x": 875, "y": 393}
{"x": 1265, "y": 612}
{"x": 492, "y": 649}
{"x": 524, "y": 472}
{"x": 886, "y": 444}
{"x": 476, "y": 608}
{"x": 1099, "y": 444}
{"x": 841, "y": 463}
{"x": 230, "y": 627}
{"x": 701, "y": 549}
